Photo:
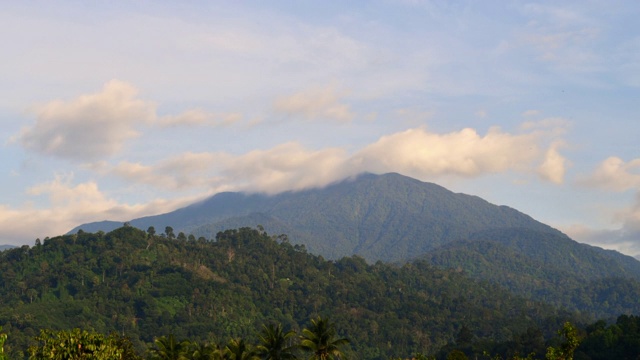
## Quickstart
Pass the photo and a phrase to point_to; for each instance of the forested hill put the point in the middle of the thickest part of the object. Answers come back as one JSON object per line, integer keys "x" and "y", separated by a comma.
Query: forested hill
{"x": 146, "y": 285}
{"x": 546, "y": 268}
{"x": 379, "y": 217}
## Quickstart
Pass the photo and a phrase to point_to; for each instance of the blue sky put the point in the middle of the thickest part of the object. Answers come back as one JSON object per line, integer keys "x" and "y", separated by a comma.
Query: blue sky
{"x": 117, "y": 110}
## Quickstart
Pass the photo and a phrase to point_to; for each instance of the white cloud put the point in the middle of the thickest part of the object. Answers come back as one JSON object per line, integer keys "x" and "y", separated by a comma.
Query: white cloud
{"x": 463, "y": 153}
{"x": 615, "y": 174}
{"x": 287, "y": 167}
{"x": 315, "y": 103}
{"x": 70, "y": 205}
{"x": 554, "y": 166}
{"x": 415, "y": 152}
{"x": 92, "y": 127}
{"x": 284, "y": 167}
{"x": 88, "y": 127}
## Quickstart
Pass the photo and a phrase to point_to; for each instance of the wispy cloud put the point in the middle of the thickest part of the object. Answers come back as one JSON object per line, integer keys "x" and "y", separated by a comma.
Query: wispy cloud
{"x": 615, "y": 174}
{"x": 315, "y": 103}
{"x": 199, "y": 117}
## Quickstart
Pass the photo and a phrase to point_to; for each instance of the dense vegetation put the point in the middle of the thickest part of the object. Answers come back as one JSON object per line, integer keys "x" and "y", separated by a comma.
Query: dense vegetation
{"x": 395, "y": 218}
{"x": 545, "y": 268}
{"x": 145, "y": 285}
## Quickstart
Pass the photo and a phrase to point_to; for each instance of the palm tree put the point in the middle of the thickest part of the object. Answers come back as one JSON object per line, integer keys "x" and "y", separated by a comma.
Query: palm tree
{"x": 199, "y": 351}
{"x": 238, "y": 349}
{"x": 168, "y": 348}
{"x": 275, "y": 344}
{"x": 321, "y": 340}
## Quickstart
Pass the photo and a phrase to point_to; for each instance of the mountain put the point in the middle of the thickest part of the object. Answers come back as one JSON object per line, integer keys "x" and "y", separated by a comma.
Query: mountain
{"x": 395, "y": 218}
{"x": 547, "y": 268}
{"x": 6, "y": 247}
{"x": 379, "y": 217}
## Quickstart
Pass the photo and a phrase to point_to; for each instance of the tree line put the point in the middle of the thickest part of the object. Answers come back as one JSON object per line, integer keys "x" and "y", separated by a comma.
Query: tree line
{"x": 318, "y": 341}
{"x": 140, "y": 284}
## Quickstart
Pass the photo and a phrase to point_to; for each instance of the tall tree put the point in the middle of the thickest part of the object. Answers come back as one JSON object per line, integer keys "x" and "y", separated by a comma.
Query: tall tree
{"x": 238, "y": 349}
{"x": 275, "y": 344}
{"x": 321, "y": 340}
{"x": 169, "y": 232}
{"x": 569, "y": 345}
{"x": 3, "y": 338}
{"x": 168, "y": 348}
{"x": 200, "y": 351}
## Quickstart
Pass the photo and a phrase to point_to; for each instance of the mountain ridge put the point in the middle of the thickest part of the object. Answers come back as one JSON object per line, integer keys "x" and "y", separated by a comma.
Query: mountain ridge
{"x": 387, "y": 217}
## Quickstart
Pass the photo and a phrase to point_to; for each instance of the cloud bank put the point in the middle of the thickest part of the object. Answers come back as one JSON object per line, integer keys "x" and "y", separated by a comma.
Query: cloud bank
{"x": 70, "y": 205}
{"x": 415, "y": 152}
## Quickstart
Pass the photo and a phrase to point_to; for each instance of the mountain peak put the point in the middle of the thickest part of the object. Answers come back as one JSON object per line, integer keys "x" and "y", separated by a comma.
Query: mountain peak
{"x": 388, "y": 217}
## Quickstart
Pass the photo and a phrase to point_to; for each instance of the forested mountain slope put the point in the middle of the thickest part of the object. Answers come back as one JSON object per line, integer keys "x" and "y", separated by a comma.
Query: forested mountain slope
{"x": 547, "y": 268}
{"x": 145, "y": 285}
{"x": 379, "y": 217}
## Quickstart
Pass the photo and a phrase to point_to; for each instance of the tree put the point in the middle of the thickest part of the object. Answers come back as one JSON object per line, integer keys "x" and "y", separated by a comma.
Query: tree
{"x": 79, "y": 344}
{"x": 566, "y": 349}
{"x": 457, "y": 355}
{"x": 31, "y": 293}
{"x": 238, "y": 349}
{"x": 199, "y": 351}
{"x": 169, "y": 232}
{"x": 275, "y": 344}
{"x": 168, "y": 348}
{"x": 321, "y": 340}
{"x": 151, "y": 231}
{"x": 3, "y": 338}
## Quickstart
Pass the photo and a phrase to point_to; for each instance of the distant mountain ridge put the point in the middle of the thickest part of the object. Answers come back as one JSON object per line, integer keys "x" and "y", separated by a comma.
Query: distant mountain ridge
{"x": 6, "y": 247}
{"x": 387, "y": 217}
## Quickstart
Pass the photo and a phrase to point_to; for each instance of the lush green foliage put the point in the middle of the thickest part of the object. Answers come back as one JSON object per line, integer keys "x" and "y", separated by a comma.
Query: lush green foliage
{"x": 547, "y": 268}
{"x": 321, "y": 340}
{"x": 275, "y": 343}
{"x": 79, "y": 344}
{"x": 143, "y": 285}
{"x": 395, "y": 218}
{"x": 3, "y": 339}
